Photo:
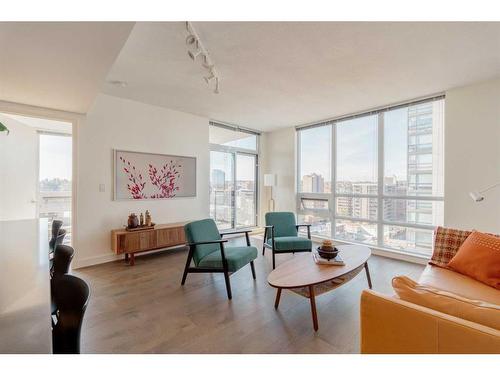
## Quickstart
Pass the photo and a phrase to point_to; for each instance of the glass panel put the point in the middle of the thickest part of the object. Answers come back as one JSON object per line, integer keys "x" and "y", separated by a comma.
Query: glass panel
{"x": 320, "y": 225}
{"x": 245, "y": 190}
{"x": 414, "y": 211}
{"x": 55, "y": 180}
{"x": 314, "y": 204}
{"x": 315, "y": 160}
{"x": 232, "y": 138}
{"x": 408, "y": 239}
{"x": 362, "y": 208}
{"x": 357, "y": 153}
{"x": 413, "y": 150}
{"x": 221, "y": 188}
{"x": 356, "y": 231}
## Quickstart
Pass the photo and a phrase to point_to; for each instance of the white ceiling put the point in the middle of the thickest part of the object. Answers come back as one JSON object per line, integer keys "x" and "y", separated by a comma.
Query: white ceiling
{"x": 272, "y": 74}
{"x": 282, "y": 74}
{"x": 58, "y": 65}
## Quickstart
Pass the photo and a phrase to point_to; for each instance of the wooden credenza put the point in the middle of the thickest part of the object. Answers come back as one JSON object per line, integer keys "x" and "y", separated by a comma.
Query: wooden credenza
{"x": 161, "y": 237}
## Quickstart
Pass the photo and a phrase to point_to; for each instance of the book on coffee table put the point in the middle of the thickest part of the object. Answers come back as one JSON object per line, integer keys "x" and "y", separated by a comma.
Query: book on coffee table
{"x": 337, "y": 261}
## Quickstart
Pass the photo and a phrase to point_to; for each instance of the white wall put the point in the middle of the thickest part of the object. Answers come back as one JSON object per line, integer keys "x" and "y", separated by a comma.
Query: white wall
{"x": 472, "y": 156}
{"x": 279, "y": 159}
{"x": 114, "y": 123}
{"x": 18, "y": 171}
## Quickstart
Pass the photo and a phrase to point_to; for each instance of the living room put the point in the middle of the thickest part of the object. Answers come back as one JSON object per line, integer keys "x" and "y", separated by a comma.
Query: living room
{"x": 291, "y": 187}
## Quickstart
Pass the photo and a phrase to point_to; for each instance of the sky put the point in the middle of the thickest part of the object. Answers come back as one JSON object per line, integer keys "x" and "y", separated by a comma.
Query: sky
{"x": 357, "y": 148}
{"x": 55, "y": 157}
{"x": 245, "y": 165}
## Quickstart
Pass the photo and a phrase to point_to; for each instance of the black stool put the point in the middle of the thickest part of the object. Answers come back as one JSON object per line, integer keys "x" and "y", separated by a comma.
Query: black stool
{"x": 70, "y": 295}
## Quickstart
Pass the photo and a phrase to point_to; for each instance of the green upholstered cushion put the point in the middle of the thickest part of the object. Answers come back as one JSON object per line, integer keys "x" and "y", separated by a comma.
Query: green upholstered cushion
{"x": 202, "y": 231}
{"x": 283, "y": 222}
{"x": 236, "y": 257}
{"x": 290, "y": 243}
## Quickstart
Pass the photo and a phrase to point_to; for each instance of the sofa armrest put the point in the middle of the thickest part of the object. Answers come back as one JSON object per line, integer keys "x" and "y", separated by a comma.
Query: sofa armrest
{"x": 390, "y": 325}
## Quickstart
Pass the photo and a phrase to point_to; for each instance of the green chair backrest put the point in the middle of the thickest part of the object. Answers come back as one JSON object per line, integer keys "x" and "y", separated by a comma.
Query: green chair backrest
{"x": 202, "y": 231}
{"x": 284, "y": 224}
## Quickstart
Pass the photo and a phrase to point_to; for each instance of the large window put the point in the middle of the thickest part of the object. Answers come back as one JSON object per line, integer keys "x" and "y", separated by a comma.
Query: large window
{"x": 386, "y": 168}
{"x": 233, "y": 176}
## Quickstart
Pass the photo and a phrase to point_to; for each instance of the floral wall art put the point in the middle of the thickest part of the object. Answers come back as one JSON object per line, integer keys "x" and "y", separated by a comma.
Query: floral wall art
{"x": 140, "y": 175}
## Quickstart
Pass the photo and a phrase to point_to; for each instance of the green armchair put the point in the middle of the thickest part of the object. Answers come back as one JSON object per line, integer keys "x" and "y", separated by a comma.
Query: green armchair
{"x": 207, "y": 250}
{"x": 281, "y": 235}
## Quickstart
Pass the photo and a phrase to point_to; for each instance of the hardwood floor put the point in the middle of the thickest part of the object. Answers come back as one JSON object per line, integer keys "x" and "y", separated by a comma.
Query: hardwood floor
{"x": 144, "y": 309}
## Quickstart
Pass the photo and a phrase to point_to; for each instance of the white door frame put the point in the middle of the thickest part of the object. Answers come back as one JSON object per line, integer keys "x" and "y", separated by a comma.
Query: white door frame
{"x": 76, "y": 119}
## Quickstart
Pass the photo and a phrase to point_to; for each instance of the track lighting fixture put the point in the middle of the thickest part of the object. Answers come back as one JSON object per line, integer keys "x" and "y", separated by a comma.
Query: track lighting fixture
{"x": 216, "y": 91}
{"x": 195, "y": 49}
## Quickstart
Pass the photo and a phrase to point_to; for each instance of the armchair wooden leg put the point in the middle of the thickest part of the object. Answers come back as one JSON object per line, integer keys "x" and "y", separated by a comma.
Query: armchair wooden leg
{"x": 228, "y": 285}
{"x": 263, "y": 249}
{"x": 274, "y": 260}
{"x": 253, "y": 269}
{"x": 188, "y": 262}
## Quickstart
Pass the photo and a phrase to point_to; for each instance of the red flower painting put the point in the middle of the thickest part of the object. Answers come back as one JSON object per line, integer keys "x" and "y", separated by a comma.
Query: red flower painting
{"x": 165, "y": 180}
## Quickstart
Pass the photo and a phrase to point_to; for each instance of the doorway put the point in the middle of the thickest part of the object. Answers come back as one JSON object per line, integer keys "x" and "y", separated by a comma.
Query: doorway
{"x": 37, "y": 170}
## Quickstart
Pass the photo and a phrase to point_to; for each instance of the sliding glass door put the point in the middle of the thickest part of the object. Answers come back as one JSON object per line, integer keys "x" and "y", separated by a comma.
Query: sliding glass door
{"x": 233, "y": 192}
{"x": 222, "y": 189}
{"x": 246, "y": 192}
{"x": 233, "y": 177}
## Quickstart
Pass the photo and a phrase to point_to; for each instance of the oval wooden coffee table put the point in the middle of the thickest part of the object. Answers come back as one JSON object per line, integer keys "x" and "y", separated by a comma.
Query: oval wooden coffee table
{"x": 303, "y": 276}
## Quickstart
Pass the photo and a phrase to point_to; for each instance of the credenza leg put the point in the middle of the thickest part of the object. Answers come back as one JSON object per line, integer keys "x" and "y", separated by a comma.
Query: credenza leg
{"x": 126, "y": 257}
{"x": 132, "y": 259}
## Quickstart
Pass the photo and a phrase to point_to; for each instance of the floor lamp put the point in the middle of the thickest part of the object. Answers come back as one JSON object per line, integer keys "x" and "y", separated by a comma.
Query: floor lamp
{"x": 270, "y": 181}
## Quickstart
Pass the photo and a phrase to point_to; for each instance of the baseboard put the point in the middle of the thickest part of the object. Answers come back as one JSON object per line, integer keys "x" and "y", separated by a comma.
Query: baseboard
{"x": 92, "y": 261}
{"x": 106, "y": 258}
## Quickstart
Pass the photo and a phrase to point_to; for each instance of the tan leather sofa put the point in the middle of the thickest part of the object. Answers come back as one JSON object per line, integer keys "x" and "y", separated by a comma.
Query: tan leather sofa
{"x": 391, "y": 325}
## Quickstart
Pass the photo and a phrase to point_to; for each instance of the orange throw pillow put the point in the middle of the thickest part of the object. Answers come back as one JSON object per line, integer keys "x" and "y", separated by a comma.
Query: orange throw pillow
{"x": 479, "y": 258}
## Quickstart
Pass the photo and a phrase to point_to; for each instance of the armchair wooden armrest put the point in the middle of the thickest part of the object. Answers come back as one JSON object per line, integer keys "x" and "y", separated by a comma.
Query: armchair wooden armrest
{"x": 239, "y": 232}
{"x": 207, "y": 242}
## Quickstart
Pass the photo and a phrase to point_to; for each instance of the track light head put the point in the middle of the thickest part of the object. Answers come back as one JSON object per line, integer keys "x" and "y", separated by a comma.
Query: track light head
{"x": 195, "y": 54}
{"x": 191, "y": 39}
{"x": 209, "y": 78}
{"x": 216, "y": 91}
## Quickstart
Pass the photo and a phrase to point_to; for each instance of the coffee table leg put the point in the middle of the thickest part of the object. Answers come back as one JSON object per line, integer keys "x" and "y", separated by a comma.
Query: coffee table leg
{"x": 313, "y": 307}
{"x": 368, "y": 275}
{"x": 278, "y": 296}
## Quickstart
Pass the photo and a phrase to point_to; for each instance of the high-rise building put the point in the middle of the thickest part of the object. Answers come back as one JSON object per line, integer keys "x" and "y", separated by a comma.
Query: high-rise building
{"x": 425, "y": 169}
{"x": 218, "y": 179}
{"x": 313, "y": 183}
{"x": 365, "y": 208}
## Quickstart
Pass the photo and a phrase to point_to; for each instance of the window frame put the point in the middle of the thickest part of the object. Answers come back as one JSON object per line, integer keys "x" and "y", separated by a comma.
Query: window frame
{"x": 380, "y": 196}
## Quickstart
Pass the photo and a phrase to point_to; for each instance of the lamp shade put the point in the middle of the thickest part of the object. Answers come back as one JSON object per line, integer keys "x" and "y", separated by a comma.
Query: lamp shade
{"x": 269, "y": 179}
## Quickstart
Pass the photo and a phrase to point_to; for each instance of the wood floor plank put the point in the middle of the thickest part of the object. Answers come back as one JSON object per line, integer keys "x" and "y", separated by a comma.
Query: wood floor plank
{"x": 144, "y": 309}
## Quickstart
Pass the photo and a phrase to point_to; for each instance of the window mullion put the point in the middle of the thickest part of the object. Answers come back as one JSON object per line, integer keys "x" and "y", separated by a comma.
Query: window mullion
{"x": 380, "y": 179}
{"x": 333, "y": 206}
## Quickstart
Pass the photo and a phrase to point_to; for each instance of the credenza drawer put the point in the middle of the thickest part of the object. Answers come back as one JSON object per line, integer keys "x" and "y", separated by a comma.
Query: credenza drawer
{"x": 139, "y": 241}
{"x": 170, "y": 237}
